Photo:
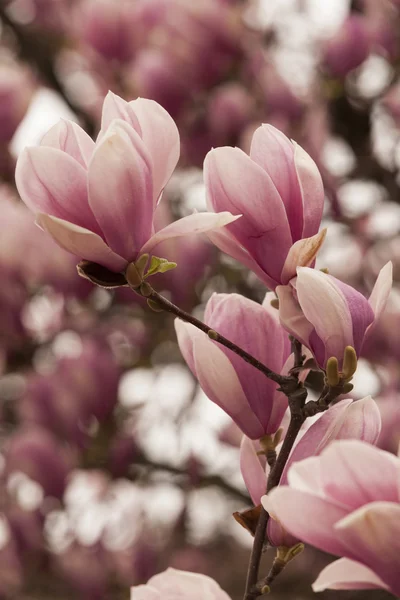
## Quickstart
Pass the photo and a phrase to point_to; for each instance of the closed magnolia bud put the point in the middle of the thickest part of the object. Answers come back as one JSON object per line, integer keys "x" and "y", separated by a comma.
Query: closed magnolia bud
{"x": 251, "y": 399}
{"x": 279, "y": 193}
{"x": 329, "y": 316}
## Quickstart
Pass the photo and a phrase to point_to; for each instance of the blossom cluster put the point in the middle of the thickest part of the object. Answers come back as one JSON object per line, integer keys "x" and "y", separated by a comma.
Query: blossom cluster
{"x": 181, "y": 193}
{"x": 98, "y": 200}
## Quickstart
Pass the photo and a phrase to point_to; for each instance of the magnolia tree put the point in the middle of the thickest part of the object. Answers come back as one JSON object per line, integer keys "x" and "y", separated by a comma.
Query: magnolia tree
{"x": 279, "y": 328}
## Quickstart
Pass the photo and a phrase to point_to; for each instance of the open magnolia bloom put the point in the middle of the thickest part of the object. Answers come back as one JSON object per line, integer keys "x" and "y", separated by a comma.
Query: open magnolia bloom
{"x": 346, "y": 502}
{"x": 347, "y": 419}
{"x": 279, "y": 192}
{"x": 97, "y": 200}
{"x": 247, "y": 395}
{"x": 173, "y": 584}
{"x": 327, "y": 315}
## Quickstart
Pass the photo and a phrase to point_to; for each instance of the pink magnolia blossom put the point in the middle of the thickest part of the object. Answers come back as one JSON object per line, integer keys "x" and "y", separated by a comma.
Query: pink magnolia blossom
{"x": 108, "y": 27}
{"x": 238, "y": 388}
{"x": 97, "y": 200}
{"x": 279, "y": 192}
{"x": 173, "y": 584}
{"x": 345, "y": 420}
{"x": 327, "y": 315}
{"x": 346, "y": 502}
{"x": 349, "y": 47}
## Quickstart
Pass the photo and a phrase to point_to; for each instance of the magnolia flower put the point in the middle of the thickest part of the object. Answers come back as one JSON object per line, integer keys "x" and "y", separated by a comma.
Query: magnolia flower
{"x": 346, "y": 502}
{"x": 173, "y": 584}
{"x": 344, "y": 420}
{"x": 349, "y": 47}
{"x": 246, "y": 394}
{"x": 327, "y": 315}
{"x": 97, "y": 200}
{"x": 279, "y": 192}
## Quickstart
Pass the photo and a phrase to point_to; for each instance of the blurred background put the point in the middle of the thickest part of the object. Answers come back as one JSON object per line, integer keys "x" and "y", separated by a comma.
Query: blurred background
{"x": 113, "y": 464}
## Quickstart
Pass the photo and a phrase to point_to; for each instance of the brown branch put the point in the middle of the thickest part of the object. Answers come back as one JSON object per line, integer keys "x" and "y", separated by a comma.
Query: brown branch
{"x": 204, "y": 481}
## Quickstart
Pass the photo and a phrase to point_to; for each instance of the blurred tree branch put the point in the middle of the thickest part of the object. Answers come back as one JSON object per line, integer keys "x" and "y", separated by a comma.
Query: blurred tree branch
{"x": 38, "y": 51}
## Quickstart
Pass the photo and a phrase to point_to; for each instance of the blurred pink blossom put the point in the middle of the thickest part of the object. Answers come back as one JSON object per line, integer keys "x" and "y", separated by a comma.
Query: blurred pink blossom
{"x": 349, "y": 47}
{"x": 16, "y": 91}
{"x": 108, "y": 27}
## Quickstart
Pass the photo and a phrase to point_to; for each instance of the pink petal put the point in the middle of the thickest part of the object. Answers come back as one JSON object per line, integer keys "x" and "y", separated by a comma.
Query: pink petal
{"x": 381, "y": 290}
{"x": 302, "y": 254}
{"x": 185, "y": 333}
{"x": 81, "y": 242}
{"x": 49, "y": 181}
{"x": 252, "y": 470}
{"x": 346, "y": 574}
{"x": 318, "y": 517}
{"x": 72, "y": 139}
{"x": 274, "y": 152}
{"x": 325, "y": 306}
{"x": 145, "y": 592}
{"x": 161, "y": 138}
{"x": 306, "y": 476}
{"x": 291, "y": 316}
{"x": 227, "y": 243}
{"x": 372, "y": 536}
{"x": 276, "y": 533}
{"x": 236, "y": 183}
{"x": 219, "y": 381}
{"x": 120, "y": 189}
{"x": 249, "y": 325}
{"x": 312, "y": 191}
{"x": 115, "y": 107}
{"x": 318, "y": 435}
{"x": 354, "y": 473}
{"x": 361, "y": 312}
{"x": 273, "y": 312}
{"x": 175, "y": 584}
{"x": 345, "y": 420}
{"x": 192, "y": 224}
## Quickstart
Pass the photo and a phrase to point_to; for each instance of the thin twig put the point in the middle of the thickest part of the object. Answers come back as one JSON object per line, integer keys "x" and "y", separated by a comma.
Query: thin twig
{"x": 288, "y": 384}
{"x": 275, "y": 475}
{"x": 204, "y": 481}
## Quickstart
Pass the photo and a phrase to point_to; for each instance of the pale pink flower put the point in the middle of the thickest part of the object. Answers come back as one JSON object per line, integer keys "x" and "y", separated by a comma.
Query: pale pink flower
{"x": 246, "y": 394}
{"x": 279, "y": 192}
{"x": 97, "y": 200}
{"x": 173, "y": 584}
{"x": 346, "y": 502}
{"x": 345, "y": 420}
{"x": 327, "y": 315}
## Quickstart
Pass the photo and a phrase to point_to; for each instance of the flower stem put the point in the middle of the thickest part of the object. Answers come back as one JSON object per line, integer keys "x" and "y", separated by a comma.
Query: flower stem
{"x": 251, "y": 591}
{"x": 286, "y": 383}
